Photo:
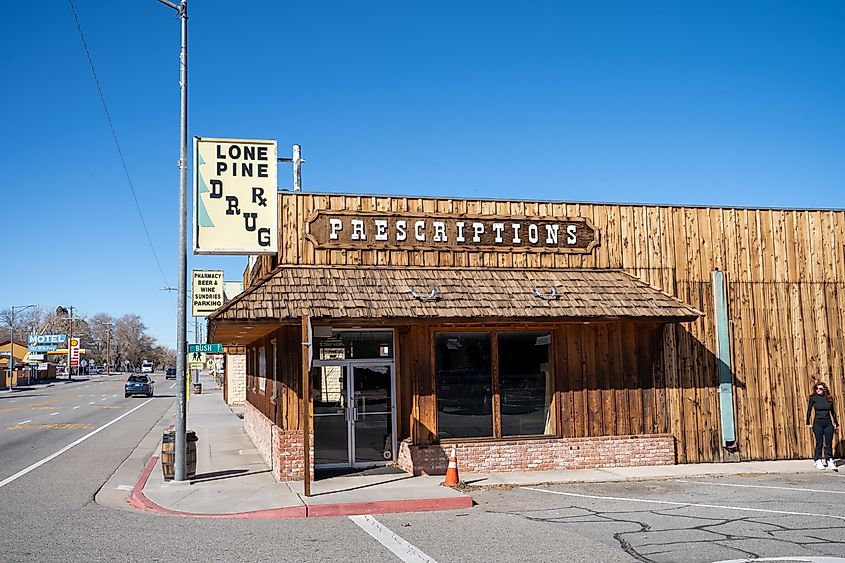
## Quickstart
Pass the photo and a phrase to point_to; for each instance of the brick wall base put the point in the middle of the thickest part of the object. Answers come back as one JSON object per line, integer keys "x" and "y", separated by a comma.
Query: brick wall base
{"x": 281, "y": 449}
{"x": 540, "y": 455}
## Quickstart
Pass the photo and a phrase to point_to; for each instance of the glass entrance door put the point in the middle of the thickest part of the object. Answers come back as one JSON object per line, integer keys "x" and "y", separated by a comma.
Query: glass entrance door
{"x": 353, "y": 414}
{"x": 330, "y": 394}
{"x": 372, "y": 416}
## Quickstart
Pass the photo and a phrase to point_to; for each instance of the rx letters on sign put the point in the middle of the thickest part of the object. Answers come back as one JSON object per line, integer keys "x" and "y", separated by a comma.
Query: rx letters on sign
{"x": 235, "y": 207}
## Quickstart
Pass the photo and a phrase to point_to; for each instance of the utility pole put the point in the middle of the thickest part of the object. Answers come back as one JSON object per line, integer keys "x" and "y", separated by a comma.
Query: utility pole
{"x": 108, "y": 326}
{"x": 181, "y": 322}
{"x": 64, "y": 311}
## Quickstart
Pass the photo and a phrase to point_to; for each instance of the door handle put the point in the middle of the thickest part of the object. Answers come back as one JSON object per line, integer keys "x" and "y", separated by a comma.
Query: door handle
{"x": 354, "y": 414}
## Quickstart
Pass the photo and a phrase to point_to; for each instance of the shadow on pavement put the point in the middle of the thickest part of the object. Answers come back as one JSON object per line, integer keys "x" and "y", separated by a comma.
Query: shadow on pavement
{"x": 226, "y": 474}
{"x": 367, "y": 486}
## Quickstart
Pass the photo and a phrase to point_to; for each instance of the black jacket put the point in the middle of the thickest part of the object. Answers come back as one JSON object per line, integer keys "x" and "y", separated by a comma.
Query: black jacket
{"x": 824, "y": 409}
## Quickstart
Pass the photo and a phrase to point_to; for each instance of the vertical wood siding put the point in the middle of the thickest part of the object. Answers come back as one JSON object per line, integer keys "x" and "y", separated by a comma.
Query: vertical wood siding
{"x": 786, "y": 291}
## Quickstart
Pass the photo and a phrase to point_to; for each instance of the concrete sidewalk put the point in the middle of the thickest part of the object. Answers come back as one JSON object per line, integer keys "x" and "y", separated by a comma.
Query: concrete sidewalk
{"x": 233, "y": 481}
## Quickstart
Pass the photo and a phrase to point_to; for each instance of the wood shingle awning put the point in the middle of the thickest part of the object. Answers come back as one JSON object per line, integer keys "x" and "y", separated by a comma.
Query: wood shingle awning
{"x": 367, "y": 292}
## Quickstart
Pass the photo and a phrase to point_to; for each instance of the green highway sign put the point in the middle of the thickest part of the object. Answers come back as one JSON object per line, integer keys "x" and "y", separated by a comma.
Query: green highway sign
{"x": 206, "y": 348}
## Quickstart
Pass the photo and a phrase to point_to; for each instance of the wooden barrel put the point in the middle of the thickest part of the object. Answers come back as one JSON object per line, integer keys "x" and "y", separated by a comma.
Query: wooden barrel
{"x": 168, "y": 455}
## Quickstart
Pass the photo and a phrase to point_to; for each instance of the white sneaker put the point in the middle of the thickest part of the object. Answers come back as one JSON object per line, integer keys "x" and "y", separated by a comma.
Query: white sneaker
{"x": 832, "y": 464}
{"x": 819, "y": 464}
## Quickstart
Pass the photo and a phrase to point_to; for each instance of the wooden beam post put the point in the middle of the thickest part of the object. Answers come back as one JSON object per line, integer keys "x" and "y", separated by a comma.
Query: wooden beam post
{"x": 305, "y": 405}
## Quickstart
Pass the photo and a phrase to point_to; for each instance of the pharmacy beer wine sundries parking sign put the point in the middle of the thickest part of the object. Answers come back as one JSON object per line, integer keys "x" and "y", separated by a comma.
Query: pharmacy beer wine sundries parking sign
{"x": 235, "y": 207}
{"x": 206, "y": 292}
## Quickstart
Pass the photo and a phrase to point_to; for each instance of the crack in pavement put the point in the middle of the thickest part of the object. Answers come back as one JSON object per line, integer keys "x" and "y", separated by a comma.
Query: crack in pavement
{"x": 636, "y": 543}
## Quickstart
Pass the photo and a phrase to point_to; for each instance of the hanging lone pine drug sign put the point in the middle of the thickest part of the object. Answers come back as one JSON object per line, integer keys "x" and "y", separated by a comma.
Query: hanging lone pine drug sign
{"x": 235, "y": 208}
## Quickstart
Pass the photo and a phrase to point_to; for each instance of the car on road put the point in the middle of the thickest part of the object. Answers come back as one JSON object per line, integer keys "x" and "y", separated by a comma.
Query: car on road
{"x": 139, "y": 385}
{"x": 170, "y": 373}
{"x": 147, "y": 367}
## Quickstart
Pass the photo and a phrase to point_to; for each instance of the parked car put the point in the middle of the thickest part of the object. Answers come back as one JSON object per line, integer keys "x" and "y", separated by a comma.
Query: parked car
{"x": 139, "y": 385}
{"x": 170, "y": 373}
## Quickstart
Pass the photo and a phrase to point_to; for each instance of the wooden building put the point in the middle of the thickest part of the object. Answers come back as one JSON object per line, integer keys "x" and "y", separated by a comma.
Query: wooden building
{"x": 536, "y": 335}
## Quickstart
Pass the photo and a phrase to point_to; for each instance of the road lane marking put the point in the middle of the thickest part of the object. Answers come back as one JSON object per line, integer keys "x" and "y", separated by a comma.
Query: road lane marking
{"x": 24, "y": 421}
{"x": 50, "y": 457}
{"x": 764, "y": 487}
{"x": 397, "y": 546}
{"x": 91, "y": 403}
{"x": 172, "y": 386}
{"x": 34, "y": 405}
{"x": 103, "y": 399}
{"x": 114, "y": 395}
{"x": 54, "y": 426}
{"x": 125, "y": 488}
{"x": 691, "y": 504}
{"x": 76, "y": 407}
{"x": 53, "y": 413}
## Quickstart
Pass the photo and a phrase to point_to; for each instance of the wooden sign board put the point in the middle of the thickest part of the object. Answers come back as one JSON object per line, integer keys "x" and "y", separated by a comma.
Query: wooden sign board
{"x": 359, "y": 230}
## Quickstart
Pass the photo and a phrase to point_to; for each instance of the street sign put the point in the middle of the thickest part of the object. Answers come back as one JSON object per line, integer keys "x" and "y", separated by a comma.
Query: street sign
{"x": 35, "y": 357}
{"x": 196, "y": 360}
{"x": 206, "y": 348}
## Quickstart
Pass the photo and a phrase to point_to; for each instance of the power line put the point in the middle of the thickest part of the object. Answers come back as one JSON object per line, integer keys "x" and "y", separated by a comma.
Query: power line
{"x": 117, "y": 144}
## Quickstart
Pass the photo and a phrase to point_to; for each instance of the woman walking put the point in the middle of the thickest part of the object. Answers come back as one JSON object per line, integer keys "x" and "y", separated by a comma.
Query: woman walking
{"x": 824, "y": 424}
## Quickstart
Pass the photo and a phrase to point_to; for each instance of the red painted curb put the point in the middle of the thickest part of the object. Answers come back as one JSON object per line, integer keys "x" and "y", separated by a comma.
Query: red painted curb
{"x": 139, "y": 500}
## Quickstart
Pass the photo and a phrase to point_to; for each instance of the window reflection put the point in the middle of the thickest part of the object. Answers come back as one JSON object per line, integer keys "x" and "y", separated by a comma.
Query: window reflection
{"x": 464, "y": 385}
{"x": 525, "y": 383}
{"x": 354, "y": 345}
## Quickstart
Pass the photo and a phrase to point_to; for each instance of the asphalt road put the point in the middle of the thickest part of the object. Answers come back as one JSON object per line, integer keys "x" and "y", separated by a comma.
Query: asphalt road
{"x": 49, "y": 513}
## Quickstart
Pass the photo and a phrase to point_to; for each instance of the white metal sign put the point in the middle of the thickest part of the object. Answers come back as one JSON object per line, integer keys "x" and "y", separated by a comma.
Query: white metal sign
{"x": 235, "y": 204}
{"x": 206, "y": 292}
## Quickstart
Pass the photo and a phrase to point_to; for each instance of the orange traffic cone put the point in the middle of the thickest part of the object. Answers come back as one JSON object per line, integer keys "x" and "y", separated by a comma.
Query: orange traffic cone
{"x": 452, "y": 471}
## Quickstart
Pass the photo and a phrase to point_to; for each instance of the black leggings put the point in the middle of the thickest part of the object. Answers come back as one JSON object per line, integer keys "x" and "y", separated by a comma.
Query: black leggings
{"x": 823, "y": 429}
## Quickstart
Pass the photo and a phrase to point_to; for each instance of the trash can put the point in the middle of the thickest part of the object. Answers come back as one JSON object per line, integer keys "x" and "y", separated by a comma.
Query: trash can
{"x": 168, "y": 455}
{"x": 196, "y": 388}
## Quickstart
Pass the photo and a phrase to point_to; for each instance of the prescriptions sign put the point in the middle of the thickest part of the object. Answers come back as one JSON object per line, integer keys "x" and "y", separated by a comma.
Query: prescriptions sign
{"x": 235, "y": 203}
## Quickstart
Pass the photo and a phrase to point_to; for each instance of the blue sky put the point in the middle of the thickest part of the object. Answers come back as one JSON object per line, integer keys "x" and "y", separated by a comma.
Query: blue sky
{"x": 719, "y": 103}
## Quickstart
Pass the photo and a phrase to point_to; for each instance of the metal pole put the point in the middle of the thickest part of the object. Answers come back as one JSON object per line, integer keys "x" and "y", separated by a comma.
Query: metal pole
{"x": 11, "y": 363}
{"x": 180, "y": 471}
{"x": 108, "y": 350}
{"x": 297, "y": 168}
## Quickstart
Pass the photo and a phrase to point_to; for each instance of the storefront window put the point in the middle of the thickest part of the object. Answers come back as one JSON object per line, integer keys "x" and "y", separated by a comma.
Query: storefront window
{"x": 354, "y": 345}
{"x": 464, "y": 385}
{"x": 466, "y": 377}
{"x": 525, "y": 383}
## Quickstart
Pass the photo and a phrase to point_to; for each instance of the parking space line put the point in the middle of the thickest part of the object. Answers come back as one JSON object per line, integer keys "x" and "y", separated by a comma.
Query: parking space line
{"x": 764, "y": 487}
{"x": 52, "y": 456}
{"x": 691, "y": 504}
{"x": 397, "y": 546}
{"x": 172, "y": 386}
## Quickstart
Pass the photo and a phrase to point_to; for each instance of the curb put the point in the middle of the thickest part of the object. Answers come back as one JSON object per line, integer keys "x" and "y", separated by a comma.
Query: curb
{"x": 140, "y": 501}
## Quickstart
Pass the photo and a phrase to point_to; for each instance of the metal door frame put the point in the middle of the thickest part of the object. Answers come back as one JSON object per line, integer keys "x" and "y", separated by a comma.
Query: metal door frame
{"x": 349, "y": 366}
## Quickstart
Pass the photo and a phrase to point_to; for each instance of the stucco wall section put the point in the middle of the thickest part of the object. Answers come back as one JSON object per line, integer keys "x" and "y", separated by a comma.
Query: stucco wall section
{"x": 236, "y": 378}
